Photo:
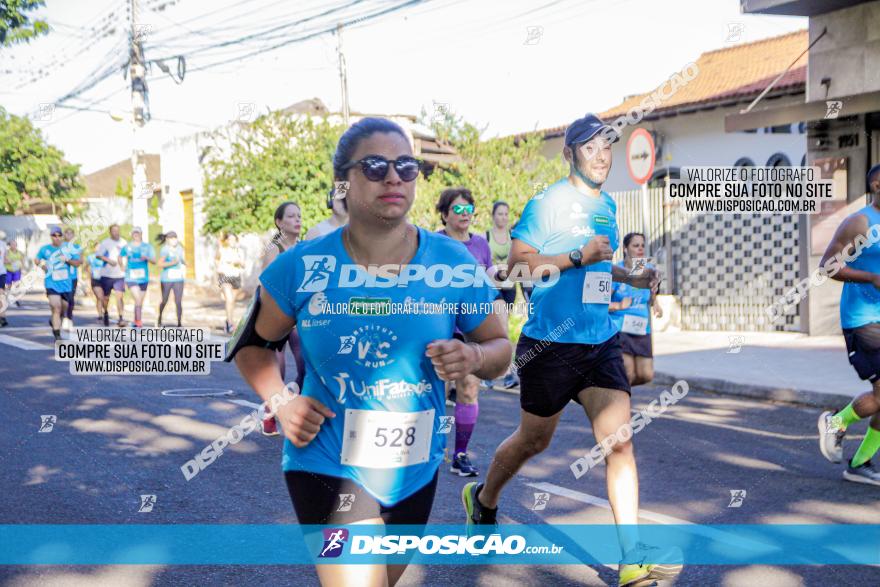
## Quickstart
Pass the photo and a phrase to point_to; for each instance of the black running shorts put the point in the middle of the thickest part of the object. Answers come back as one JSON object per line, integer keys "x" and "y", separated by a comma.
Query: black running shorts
{"x": 863, "y": 348}
{"x": 553, "y": 373}
{"x": 317, "y": 500}
{"x": 637, "y": 345}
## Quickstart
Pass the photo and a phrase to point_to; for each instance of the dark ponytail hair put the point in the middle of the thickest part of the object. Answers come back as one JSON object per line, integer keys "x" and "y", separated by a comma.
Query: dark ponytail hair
{"x": 628, "y": 239}
{"x": 351, "y": 138}
{"x": 163, "y": 236}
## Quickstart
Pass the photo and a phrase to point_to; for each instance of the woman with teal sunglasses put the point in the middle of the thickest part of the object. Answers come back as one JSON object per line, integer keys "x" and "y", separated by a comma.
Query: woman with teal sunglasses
{"x": 456, "y": 208}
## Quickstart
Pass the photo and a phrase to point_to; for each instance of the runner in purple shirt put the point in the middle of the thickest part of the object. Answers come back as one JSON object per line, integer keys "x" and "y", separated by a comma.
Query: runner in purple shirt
{"x": 456, "y": 208}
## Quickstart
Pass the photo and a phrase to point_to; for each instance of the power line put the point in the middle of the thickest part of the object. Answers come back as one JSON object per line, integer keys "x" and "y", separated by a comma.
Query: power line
{"x": 308, "y": 36}
{"x": 271, "y": 30}
{"x": 94, "y": 31}
{"x": 99, "y": 75}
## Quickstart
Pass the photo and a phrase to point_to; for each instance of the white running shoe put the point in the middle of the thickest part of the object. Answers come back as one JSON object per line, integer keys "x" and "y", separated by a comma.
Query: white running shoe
{"x": 831, "y": 437}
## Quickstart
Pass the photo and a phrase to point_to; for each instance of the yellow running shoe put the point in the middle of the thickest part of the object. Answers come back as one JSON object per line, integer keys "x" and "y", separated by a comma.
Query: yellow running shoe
{"x": 634, "y": 571}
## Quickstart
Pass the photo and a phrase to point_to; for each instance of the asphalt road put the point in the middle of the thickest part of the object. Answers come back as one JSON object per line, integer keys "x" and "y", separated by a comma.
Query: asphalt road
{"x": 118, "y": 437}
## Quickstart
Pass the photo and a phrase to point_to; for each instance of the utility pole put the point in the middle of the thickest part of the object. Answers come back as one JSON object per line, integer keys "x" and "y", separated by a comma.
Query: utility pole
{"x": 343, "y": 74}
{"x": 141, "y": 191}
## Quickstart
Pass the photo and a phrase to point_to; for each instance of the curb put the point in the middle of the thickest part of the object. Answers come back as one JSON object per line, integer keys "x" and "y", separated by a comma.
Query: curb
{"x": 803, "y": 397}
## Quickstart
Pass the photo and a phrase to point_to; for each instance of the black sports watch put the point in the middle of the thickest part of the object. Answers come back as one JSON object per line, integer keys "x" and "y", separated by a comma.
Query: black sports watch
{"x": 576, "y": 257}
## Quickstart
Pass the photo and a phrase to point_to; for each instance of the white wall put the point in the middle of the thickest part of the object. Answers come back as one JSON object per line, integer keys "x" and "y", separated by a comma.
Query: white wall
{"x": 180, "y": 171}
{"x": 849, "y": 53}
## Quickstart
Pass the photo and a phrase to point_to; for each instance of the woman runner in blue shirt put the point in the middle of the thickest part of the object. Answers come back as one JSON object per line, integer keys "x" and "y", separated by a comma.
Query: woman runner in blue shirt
{"x": 630, "y": 309}
{"x": 366, "y": 421}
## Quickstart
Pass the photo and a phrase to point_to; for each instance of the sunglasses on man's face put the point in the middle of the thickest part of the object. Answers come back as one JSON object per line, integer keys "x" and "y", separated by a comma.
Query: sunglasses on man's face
{"x": 463, "y": 208}
{"x": 56, "y": 234}
{"x": 375, "y": 167}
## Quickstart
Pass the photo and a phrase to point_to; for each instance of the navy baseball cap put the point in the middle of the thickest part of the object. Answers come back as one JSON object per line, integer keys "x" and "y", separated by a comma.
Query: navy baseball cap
{"x": 584, "y": 129}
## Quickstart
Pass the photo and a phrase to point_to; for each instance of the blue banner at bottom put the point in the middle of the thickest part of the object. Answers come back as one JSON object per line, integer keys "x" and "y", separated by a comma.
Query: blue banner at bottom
{"x": 436, "y": 544}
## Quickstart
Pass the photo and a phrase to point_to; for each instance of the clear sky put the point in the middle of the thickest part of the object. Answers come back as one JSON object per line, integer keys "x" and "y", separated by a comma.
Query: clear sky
{"x": 510, "y": 66}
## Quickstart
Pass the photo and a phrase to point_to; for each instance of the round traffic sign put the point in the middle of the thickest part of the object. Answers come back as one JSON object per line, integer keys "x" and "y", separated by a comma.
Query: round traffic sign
{"x": 640, "y": 156}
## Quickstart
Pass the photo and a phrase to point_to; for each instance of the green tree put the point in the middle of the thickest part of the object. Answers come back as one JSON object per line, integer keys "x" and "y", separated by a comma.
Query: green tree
{"x": 512, "y": 169}
{"x": 122, "y": 189}
{"x": 33, "y": 171}
{"x": 255, "y": 167}
{"x": 16, "y": 26}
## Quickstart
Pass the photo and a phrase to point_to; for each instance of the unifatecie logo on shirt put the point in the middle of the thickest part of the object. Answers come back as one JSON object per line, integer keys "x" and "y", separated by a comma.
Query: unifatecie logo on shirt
{"x": 380, "y": 389}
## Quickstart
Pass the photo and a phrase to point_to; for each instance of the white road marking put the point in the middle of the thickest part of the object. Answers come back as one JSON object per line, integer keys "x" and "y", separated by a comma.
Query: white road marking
{"x": 23, "y": 344}
{"x": 245, "y": 403}
{"x": 712, "y": 533}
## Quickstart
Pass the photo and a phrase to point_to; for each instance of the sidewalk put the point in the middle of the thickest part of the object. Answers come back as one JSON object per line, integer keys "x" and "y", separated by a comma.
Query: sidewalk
{"x": 780, "y": 366}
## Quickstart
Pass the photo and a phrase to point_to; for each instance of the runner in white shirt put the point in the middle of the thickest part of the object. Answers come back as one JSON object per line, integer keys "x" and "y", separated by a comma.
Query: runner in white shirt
{"x": 230, "y": 266}
{"x": 113, "y": 273}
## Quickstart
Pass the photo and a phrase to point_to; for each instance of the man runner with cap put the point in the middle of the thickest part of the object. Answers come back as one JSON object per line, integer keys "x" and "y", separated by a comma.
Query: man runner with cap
{"x": 572, "y": 225}
{"x": 855, "y": 249}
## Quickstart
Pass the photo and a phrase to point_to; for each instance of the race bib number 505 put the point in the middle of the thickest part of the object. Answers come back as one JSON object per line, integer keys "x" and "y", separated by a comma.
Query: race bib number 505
{"x": 597, "y": 288}
{"x": 386, "y": 440}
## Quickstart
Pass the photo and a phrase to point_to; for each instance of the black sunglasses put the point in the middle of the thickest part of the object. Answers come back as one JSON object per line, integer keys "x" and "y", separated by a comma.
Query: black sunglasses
{"x": 375, "y": 167}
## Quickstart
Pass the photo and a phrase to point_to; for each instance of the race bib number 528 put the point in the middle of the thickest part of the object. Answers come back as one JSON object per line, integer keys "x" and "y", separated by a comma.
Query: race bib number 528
{"x": 386, "y": 440}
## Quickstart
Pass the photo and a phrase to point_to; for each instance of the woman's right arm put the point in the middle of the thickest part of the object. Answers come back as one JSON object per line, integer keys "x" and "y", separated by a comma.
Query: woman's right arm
{"x": 301, "y": 417}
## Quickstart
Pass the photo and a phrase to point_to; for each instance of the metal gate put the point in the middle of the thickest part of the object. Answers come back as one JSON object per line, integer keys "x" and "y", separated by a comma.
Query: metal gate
{"x": 725, "y": 269}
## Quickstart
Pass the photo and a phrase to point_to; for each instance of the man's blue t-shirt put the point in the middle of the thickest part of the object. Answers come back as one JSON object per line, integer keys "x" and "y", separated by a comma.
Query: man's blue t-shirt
{"x": 365, "y": 359}
{"x": 176, "y": 272}
{"x": 57, "y": 273}
{"x": 559, "y": 220}
{"x": 137, "y": 269}
{"x": 72, "y": 250}
{"x": 639, "y": 321}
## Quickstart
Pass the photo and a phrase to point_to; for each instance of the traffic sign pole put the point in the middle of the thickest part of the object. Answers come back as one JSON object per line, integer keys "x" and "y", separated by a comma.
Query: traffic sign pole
{"x": 640, "y": 164}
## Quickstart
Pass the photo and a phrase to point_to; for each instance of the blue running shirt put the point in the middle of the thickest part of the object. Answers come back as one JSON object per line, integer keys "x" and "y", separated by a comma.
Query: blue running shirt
{"x": 860, "y": 302}
{"x": 559, "y": 220}
{"x": 57, "y": 272}
{"x": 73, "y": 251}
{"x": 137, "y": 269}
{"x": 96, "y": 264}
{"x": 639, "y": 321}
{"x": 176, "y": 272}
{"x": 368, "y": 364}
